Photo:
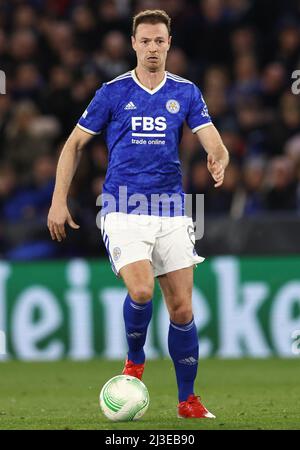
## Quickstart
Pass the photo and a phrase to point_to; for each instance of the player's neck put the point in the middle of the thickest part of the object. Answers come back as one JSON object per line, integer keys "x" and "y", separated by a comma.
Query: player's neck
{"x": 149, "y": 79}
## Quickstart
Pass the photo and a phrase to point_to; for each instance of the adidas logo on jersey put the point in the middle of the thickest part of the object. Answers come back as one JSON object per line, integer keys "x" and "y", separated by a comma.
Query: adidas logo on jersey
{"x": 130, "y": 105}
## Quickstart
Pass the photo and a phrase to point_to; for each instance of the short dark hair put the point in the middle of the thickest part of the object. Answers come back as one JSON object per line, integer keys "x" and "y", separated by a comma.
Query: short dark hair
{"x": 152, "y": 16}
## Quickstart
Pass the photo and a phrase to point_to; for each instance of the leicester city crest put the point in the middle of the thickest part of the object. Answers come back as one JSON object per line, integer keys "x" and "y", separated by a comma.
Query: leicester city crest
{"x": 116, "y": 253}
{"x": 173, "y": 106}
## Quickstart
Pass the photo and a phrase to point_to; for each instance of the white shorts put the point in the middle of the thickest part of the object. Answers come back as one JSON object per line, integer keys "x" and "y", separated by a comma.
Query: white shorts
{"x": 167, "y": 242}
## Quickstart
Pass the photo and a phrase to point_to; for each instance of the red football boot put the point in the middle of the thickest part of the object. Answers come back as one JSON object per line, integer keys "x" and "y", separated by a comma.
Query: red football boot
{"x": 135, "y": 370}
{"x": 192, "y": 408}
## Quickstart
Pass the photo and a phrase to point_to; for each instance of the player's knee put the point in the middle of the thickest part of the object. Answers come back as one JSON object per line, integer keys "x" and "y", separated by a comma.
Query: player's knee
{"x": 141, "y": 294}
{"x": 181, "y": 315}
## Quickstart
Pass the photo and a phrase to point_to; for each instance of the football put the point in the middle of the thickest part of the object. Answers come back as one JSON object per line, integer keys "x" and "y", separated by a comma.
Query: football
{"x": 124, "y": 398}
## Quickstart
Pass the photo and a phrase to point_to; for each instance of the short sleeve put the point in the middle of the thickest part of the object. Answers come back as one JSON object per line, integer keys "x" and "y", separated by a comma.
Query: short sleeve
{"x": 198, "y": 116}
{"x": 96, "y": 116}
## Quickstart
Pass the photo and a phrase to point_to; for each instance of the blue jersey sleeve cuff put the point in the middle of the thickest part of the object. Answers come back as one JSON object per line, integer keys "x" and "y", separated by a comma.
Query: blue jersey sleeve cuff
{"x": 194, "y": 130}
{"x": 87, "y": 130}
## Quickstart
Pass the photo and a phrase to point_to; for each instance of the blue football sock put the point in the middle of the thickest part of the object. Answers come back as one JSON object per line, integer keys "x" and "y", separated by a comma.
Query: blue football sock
{"x": 184, "y": 351}
{"x": 137, "y": 317}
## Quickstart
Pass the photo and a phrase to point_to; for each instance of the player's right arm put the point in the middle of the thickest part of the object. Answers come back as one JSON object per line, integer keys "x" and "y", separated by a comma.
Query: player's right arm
{"x": 94, "y": 119}
{"x": 67, "y": 164}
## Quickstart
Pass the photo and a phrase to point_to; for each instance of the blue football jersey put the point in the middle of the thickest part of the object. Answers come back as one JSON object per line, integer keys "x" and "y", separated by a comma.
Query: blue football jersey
{"x": 142, "y": 130}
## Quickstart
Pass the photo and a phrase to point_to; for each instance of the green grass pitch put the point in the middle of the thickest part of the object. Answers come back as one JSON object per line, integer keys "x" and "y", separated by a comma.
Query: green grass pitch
{"x": 243, "y": 394}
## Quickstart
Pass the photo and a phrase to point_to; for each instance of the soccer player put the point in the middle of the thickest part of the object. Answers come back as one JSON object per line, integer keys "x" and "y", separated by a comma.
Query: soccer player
{"x": 142, "y": 113}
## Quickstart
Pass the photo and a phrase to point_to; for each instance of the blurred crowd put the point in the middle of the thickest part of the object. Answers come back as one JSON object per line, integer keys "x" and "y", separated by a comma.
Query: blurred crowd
{"x": 56, "y": 53}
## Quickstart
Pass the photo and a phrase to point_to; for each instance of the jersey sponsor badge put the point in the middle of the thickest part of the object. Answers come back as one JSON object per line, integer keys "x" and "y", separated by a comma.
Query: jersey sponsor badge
{"x": 173, "y": 106}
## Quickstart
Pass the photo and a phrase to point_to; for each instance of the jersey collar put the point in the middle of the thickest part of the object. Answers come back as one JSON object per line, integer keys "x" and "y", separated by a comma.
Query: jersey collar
{"x": 150, "y": 91}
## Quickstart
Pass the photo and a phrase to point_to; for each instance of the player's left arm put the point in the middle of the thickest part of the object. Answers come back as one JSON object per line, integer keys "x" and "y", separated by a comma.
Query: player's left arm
{"x": 217, "y": 154}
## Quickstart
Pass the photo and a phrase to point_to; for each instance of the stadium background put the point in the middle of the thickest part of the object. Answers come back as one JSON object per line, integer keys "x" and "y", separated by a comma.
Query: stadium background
{"x": 62, "y": 300}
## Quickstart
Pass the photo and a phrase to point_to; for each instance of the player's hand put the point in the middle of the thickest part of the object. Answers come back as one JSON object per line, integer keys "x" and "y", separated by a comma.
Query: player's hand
{"x": 216, "y": 169}
{"x": 57, "y": 217}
